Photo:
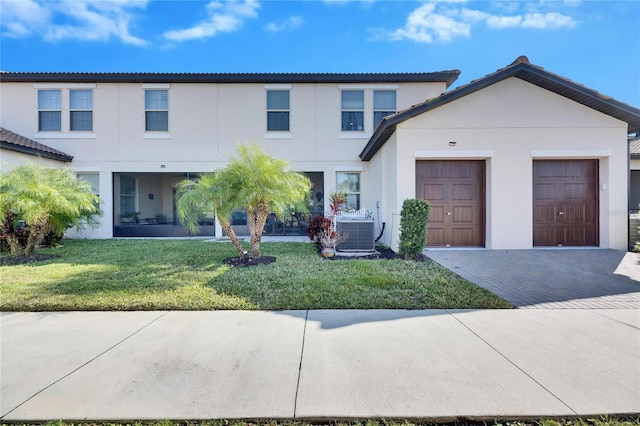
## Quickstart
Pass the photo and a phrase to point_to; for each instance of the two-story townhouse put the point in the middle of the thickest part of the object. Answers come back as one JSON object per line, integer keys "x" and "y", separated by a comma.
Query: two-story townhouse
{"x": 519, "y": 158}
{"x": 134, "y": 136}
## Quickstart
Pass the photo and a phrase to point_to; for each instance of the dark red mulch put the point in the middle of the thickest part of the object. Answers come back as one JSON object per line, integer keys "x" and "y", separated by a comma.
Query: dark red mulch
{"x": 21, "y": 260}
{"x": 249, "y": 261}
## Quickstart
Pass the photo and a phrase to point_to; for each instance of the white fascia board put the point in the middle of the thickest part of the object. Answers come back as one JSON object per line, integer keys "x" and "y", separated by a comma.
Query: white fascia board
{"x": 369, "y": 86}
{"x": 156, "y": 85}
{"x": 277, "y": 86}
{"x": 64, "y": 86}
{"x": 571, "y": 153}
{"x": 453, "y": 153}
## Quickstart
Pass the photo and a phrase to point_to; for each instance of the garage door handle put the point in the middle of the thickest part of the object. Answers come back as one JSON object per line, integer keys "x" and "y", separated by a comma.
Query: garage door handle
{"x": 449, "y": 213}
{"x": 561, "y": 213}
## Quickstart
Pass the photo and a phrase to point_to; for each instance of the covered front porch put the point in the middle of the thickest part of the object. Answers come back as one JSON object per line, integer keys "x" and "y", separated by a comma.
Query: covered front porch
{"x": 144, "y": 205}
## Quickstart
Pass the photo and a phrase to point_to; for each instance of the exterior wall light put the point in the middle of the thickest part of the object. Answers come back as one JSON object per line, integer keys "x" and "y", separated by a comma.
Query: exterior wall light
{"x": 453, "y": 143}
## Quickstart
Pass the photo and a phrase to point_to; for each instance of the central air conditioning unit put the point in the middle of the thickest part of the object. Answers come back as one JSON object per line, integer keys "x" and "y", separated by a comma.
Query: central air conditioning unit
{"x": 359, "y": 234}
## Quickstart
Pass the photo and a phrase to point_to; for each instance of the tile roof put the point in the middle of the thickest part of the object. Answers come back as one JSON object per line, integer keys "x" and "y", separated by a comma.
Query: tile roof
{"x": 15, "y": 142}
{"x": 634, "y": 147}
{"x": 521, "y": 68}
{"x": 447, "y": 77}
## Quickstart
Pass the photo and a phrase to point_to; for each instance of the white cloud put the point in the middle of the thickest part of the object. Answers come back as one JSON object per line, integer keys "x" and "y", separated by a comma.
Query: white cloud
{"x": 21, "y": 17}
{"x": 425, "y": 26}
{"x": 441, "y": 22}
{"x": 551, "y": 20}
{"x": 93, "y": 20}
{"x": 289, "y": 24}
{"x": 225, "y": 16}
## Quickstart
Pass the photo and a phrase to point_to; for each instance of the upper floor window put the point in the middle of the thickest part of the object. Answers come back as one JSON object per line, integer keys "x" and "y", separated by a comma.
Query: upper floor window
{"x": 156, "y": 105}
{"x": 49, "y": 111}
{"x": 277, "y": 110}
{"x": 81, "y": 110}
{"x": 353, "y": 110}
{"x": 349, "y": 184}
{"x": 384, "y": 103}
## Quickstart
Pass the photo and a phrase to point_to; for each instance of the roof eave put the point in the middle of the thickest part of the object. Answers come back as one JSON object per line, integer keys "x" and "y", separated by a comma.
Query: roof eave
{"x": 447, "y": 77}
{"x": 35, "y": 152}
{"x": 521, "y": 70}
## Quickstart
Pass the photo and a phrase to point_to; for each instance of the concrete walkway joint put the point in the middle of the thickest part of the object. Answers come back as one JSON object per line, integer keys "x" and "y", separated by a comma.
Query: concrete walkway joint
{"x": 324, "y": 364}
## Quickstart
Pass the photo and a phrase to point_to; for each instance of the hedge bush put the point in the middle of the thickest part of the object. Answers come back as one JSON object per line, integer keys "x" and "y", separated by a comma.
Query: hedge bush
{"x": 413, "y": 227}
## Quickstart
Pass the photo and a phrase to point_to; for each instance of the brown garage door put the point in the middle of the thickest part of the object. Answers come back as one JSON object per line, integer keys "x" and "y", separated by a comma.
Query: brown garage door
{"x": 565, "y": 202}
{"x": 455, "y": 190}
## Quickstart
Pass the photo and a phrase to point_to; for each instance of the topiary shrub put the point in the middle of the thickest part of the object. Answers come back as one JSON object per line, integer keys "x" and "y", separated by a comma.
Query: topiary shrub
{"x": 413, "y": 227}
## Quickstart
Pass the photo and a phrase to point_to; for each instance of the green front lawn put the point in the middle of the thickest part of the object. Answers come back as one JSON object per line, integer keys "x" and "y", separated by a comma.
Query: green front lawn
{"x": 190, "y": 275}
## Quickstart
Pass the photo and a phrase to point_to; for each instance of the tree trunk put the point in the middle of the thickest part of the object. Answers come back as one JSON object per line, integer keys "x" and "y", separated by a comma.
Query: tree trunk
{"x": 228, "y": 229}
{"x": 14, "y": 245}
{"x": 258, "y": 219}
{"x": 37, "y": 234}
{"x": 11, "y": 236}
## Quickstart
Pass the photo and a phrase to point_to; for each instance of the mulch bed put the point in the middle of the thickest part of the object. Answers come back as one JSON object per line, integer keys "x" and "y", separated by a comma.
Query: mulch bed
{"x": 382, "y": 253}
{"x": 249, "y": 261}
{"x": 21, "y": 260}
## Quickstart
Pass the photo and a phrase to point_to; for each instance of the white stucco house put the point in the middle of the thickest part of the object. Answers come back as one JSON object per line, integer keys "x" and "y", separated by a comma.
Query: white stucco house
{"x": 516, "y": 159}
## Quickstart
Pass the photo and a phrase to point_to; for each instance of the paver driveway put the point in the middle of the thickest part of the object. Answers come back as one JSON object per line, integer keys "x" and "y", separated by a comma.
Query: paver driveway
{"x": 554, "y": 278}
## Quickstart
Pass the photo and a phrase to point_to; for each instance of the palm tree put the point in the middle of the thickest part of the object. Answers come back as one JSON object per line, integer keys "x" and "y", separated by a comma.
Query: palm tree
{"x": 206, "y": 194}
{"x": 254, "y": 182}
{"x": 262, "y": 184}
{"x": 46, "y": 200}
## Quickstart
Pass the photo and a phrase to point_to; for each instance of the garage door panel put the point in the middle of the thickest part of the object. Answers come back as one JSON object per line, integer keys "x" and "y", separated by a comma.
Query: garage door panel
{"x": 545, "y": 214}
{"x": 545, "y": 236}
{"x": 575, "y": 191}
{"x": 575, "y": 236}
{"x": 463, "y": 192}
{"x": 464, "y": 214}
{"x": 435, "y": 236}
{"x": 437, "y": 214}
{"x": 565, "y": 202}
{"x": 573, "y": 214}
{"x": 455, "y": 190}
{"x": 544, "y": 191}
{"x": 435, "y": 191}
{"x": 462, "y": 236}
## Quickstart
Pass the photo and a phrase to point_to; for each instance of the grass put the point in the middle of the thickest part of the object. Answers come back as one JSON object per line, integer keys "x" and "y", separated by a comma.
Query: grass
{"x": 190, "y": 275}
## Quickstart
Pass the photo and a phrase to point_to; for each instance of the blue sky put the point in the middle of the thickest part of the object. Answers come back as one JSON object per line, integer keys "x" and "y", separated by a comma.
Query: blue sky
{"x": 595, "y": 43}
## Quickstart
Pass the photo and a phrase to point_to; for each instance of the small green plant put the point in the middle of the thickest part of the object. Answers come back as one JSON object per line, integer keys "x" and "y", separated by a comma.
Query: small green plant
{"x": 413, "y": 227}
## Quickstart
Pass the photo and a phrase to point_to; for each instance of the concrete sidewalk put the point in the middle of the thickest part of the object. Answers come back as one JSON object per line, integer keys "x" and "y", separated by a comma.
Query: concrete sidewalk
{"x": 433, "y": 364}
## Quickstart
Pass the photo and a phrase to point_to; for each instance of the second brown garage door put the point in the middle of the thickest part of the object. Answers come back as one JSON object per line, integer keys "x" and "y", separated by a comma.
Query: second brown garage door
{"x": 565, "y": 202}
{"x": 456, "y": 192}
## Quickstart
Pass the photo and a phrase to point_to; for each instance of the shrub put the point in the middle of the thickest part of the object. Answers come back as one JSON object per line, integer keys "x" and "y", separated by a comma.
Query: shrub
{"x": 39, "y": 200}
{"x": 413, "y": 227}
{"x": 318, "y": 226}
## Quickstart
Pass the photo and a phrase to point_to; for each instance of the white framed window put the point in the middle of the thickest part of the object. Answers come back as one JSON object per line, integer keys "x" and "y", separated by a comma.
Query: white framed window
{"x": 349, "y": 184}
{"x": 278, "y": 110}
{"x": 353, "y": 110}
{"x": 93, "y": 179}
{"x": 127, "y": 195}
{"x": 81, "y": 110}
{"x": 384, "y": 103}
{"x": 156, "y": 106}
{"x": 49, "y": 110}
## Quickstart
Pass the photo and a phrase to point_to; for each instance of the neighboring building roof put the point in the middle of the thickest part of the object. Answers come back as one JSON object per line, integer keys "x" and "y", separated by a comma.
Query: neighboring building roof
{"x": 15, "y": 142}
{"x": 634, "y": 147}
{"x": 521, "y": 68}
{"x": 447, "y": 77}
